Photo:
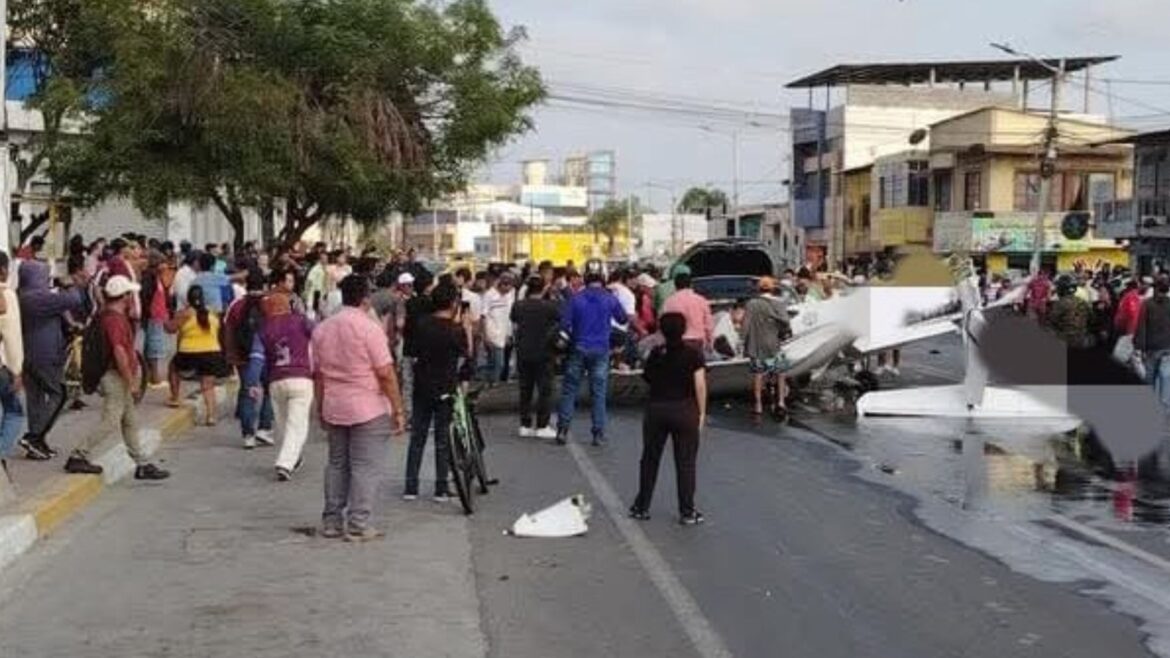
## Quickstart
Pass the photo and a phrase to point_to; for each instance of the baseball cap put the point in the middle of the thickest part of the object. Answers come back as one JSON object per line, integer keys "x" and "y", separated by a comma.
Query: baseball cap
{"x": 405, "y": 279}
{"x": 119, "y": 285}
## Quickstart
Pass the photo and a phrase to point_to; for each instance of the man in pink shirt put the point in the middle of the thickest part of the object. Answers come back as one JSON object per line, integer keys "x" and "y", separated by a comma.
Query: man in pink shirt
{"x": 354, "y": 382}
{"x": 697, "y": 311}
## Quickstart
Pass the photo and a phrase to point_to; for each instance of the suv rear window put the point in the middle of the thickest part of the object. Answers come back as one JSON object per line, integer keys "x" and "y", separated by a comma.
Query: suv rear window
{"x": 730, "y": 262}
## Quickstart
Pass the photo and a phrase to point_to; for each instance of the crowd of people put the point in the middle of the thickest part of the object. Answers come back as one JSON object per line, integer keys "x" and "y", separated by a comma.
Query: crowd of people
{"x": 375, "y": 346}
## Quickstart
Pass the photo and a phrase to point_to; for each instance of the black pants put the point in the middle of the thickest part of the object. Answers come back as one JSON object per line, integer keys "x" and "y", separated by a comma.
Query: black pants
{"x": 535, "y": 375}
{"x": 678, "y": 420}
{"x": 44, "y": 390}
{"x": 428, "y": 409}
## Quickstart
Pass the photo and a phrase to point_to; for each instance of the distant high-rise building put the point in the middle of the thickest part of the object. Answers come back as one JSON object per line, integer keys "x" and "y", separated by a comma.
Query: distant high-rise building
{"x": 597, "y": 172}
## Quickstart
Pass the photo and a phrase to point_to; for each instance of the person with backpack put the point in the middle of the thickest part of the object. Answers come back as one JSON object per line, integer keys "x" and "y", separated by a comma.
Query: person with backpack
{"x": 241, "y": 324}
{"x": 109, "y": 353}
{"x": 42, "y": 312}
{"x": 198, "y": 351}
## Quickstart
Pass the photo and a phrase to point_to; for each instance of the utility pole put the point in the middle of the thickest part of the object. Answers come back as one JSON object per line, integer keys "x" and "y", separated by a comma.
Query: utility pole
{"x": 435, "y": 232}
{"x": 1048, "y": 164}
{"x": 630, "y": 227}
{"x": 735, "y": 170}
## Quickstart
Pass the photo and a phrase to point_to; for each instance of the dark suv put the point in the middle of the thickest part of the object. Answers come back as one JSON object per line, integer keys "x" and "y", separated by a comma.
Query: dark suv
{"x": 726, "y": 269}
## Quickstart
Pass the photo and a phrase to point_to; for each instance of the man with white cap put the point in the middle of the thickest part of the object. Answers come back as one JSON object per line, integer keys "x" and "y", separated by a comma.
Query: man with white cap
{"x": 121, "y": 386}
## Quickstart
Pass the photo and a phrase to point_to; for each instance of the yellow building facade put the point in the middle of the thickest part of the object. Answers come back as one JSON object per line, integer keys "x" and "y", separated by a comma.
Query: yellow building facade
{"x": 985, "y": 188}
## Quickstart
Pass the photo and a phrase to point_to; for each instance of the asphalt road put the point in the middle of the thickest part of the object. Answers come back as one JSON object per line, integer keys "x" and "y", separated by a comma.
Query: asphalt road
{"x": 806, "y": 552}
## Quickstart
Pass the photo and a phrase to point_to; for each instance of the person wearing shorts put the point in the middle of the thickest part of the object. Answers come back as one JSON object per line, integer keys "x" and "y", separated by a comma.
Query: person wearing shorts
{"x": 765, "y": 323}
{"x": 199, "y": 353}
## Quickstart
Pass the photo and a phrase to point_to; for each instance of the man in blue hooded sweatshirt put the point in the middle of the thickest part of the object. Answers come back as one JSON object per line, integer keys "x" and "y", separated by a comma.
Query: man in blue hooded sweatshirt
{"x": 42, "y": 312}
{"x": 586, "y": 319}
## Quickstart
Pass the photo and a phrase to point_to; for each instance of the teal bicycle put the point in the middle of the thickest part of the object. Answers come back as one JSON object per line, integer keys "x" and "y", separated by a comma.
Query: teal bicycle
{"x": 466, "y": 448}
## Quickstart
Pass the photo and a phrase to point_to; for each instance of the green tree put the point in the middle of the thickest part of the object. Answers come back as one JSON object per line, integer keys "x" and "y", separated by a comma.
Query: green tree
{"x": 64, "y": 45}
{"x": 609, "y": 220}
{"x": 699, "y": 199}
{"x": 341, "y": 109}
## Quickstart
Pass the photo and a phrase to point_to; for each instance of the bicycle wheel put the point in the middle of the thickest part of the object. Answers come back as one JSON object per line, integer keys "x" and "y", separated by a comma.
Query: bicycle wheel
{"x": 461, "y": 466}
{"x": 477, "y": 445}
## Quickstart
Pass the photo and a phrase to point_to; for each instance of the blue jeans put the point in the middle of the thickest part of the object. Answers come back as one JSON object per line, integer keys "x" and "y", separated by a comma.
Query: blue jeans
{"x": 495, "y": 364}
{"x": 596, "y": 365}
{"x": 246, "y": 411}
{"x": 1158, "y": 374}
{"x": 13, "y": 420}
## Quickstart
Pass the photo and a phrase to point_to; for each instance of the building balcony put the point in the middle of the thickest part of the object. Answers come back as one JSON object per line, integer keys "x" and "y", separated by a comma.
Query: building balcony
{"x": 983, "y": 232}
{"x": 894, "y": 227}
{"x": 1133, "y": 219}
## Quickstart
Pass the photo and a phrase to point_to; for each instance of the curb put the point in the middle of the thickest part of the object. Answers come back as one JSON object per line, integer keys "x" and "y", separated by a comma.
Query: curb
{"x": 56, "y": 500}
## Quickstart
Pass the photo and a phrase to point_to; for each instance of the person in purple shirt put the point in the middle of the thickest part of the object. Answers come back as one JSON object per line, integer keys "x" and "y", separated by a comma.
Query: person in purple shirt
{"x": 586, "y": 320}
{"x": 279, "y": 360}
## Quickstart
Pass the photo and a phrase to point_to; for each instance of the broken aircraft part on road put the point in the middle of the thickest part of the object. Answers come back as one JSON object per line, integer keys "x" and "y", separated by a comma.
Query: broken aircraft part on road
{"x": 566, "y": 518}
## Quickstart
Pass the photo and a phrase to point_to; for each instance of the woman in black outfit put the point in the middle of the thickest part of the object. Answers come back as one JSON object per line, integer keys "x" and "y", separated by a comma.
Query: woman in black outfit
{"x": 677, "y": 409}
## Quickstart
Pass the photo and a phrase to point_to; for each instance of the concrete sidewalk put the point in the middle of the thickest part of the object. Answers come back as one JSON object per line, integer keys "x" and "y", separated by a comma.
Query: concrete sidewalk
{"x": 223, "y": 560}
{"x": 41, "y": 495}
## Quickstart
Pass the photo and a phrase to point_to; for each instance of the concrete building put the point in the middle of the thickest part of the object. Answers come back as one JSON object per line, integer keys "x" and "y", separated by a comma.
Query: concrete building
{"x": 985, "y": 174}
{"x": 770, "y": 223}
{"x": 1141, "y": 220}
{"x": 669, "y": 234}
{"x": 879, "y": 109}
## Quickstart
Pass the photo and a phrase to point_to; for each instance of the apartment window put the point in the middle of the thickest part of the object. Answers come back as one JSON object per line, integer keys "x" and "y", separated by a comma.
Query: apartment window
{"x": 918, "y": 183}
{"x": 849, "y": 217}
{"x": 730, "y": 228}
{"x": 942, "y": 191}
{"x": 972, "y": 190}
{"x": 1102, "y": 188}
{"x": 883, "y": 196}
{"x": 865, "y": 211}
{"x": 898, "y": 193}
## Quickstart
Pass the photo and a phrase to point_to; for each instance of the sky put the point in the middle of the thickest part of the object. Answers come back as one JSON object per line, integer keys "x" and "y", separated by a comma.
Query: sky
{"x": 740, "y": 53}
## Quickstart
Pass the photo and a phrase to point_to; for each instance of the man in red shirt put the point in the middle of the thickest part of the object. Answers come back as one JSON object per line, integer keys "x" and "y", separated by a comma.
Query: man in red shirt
{"x": 121, "y": 386}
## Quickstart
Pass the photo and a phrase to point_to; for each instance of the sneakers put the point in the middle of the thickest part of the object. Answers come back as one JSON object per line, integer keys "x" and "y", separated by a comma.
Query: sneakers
{"x": 150, "y": 472}
{"x": 283, "y": 474}
{"x": 694, "y": 517}
{"x": 249, "y": 442}
{"x": 81, "y": 466}
{"x": 562, "y": 436}
{"x": 546, "y": 433}
{"x": 364, "y": 535}
{"x": 33, "y": 450}
{"x": 265, "y": 438}
{"x": 599, "y": 440}
{"x": 409, "y": 496}
{"x": 639, "y": 514}
{"x": 330, "y": 532}
{"x": 527, "y": 432}
{"x": 442, "y": 497}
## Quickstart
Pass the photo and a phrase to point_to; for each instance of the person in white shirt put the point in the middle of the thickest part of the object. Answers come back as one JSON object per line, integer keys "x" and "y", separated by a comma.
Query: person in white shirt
{"x": 497, "y": 324}
{"x": 618, "y": 286}
{"x": 183, "y": 279}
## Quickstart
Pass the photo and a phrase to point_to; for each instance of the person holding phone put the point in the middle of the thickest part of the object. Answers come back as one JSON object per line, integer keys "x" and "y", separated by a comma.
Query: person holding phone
{"x": 677, "y": 410}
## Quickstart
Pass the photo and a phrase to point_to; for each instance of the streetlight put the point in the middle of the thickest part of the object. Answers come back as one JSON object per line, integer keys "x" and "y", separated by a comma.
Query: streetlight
{"x": 1048, "y": 166}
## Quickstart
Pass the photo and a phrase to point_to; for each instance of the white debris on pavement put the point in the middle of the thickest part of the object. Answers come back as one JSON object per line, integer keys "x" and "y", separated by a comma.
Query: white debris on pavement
{"x": 566, "y": 518}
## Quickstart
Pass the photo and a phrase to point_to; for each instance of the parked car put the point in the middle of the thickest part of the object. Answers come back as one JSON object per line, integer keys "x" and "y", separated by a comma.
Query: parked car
{"x": 727, "y": 269}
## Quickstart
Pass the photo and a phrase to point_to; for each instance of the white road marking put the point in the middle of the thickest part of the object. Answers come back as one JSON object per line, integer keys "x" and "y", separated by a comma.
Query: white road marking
{"x": 1111, "y": 541}
{"x": 698, "y": 628}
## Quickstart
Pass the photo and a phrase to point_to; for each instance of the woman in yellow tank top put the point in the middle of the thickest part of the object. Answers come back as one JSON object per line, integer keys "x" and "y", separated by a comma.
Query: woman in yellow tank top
{"x": 199, "y": 352}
